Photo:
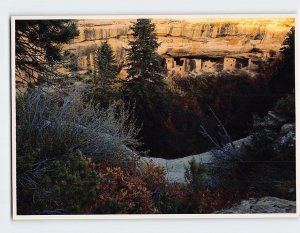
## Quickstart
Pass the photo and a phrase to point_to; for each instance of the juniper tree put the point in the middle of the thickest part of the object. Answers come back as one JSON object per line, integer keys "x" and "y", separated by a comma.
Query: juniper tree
{"x": 38, "y": 47}
{"x": 105, "y": 64}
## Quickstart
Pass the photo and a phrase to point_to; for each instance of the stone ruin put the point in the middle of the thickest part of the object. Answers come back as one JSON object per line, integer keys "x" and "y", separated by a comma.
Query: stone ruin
{"x": 197, "y": 65}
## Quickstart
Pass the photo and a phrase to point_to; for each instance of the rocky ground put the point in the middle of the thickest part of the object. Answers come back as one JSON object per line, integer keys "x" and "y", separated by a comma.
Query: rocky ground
{"x": 175, "y": 168}
{"x": 285, "y": 135}
{"x": 261, "y": 205}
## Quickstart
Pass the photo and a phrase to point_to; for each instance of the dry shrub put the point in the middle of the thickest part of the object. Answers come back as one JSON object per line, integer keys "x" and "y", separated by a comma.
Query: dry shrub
{"x": 57, "y": 122}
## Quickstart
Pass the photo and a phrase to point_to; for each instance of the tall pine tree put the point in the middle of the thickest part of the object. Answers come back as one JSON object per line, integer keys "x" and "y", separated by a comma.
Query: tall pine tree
{"x": 144, "y": 62}
{"x": 145, "y": 87}
{"x": 105, "y": 64}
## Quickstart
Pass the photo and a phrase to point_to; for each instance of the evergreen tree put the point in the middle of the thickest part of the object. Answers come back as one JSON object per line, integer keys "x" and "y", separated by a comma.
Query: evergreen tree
{"x": 38, "y": 47}
{"x": 144, "y": 62}
{"x": 288, "y": 53}
{"x": 283, "y": 80}
{"x": 288, "y": 47}
{"x": 105, "y": 64}
{"x": 145, "y": 88}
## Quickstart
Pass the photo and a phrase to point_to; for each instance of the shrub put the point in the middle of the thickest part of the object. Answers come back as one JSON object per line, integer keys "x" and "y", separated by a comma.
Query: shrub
{"x": 57, "y": 122}
{"x": 153, "y": 175}
{"x": 266, "y": 161}
{"x": 122, "y": 193}
{"x": 102, "y": 95}
{"x": 176, "y": 198}
{"x": 195, "y": 174}
{"x": 207, "y": 201}
{"x": 141, "y": 188}
{"x": 54, "y": 186}
{"x": 171, "y": 198}
{"x": 231, "y": 95}
{"x": 52, "y": 174}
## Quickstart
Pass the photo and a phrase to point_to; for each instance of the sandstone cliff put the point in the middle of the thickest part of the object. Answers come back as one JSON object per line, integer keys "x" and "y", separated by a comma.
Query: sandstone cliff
{"x": 201, "y": 37}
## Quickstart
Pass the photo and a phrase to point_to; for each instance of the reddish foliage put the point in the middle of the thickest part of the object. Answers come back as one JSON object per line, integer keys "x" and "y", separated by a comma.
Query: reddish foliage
{"x": 153, "y": 176}
{"x": 143, "y": 189}
{"x": 207, "y": 201}
{"x": 128, "y": 193}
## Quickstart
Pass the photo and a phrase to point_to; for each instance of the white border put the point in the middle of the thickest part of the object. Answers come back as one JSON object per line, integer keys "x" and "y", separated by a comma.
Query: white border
{"x": 148, "y": 216}
{"x": 156, "y": 16}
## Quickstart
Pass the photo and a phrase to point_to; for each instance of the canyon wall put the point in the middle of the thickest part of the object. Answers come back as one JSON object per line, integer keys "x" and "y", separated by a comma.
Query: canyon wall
{"x": 188, "y": 37}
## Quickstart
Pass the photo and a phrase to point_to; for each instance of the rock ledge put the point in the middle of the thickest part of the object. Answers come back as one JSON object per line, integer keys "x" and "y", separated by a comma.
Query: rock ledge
{"x": 261, "y": 205}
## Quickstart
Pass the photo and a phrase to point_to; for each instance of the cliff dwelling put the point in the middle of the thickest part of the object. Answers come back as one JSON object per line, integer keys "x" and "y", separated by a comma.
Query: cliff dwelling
{"x": 229, "y": 63}
{"x": 196, "y": 65}
{"x": 209, "y": 66}
{"x": 212, "y": 48}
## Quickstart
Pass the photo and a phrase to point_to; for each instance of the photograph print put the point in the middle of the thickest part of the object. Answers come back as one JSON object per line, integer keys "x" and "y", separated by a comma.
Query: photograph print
{"x": 153, "y": 115}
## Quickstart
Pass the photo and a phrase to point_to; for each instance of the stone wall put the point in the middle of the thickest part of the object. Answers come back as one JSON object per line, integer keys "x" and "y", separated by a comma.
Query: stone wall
{"x": 229, "y": 63}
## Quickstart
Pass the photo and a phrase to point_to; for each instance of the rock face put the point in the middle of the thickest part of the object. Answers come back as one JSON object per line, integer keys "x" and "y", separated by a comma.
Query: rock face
{"x": 175, "y": 168}
{"x": 261, "y": 205}
{"x": 288, "y": 134}
{"x": 193, "y": 37}
{"x": 280, "y": 126}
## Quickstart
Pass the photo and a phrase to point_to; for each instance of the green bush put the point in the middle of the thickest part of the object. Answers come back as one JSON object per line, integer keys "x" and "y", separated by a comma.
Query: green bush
{"x": 195, "y": 175}
{"x": 54, "y": 186}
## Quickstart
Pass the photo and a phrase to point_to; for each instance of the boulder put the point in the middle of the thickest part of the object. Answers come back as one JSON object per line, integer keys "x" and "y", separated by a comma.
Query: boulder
{"x": 286, "y": 128}
{"x": 266, "y": 122}
{"x": 271, "y": 121}
{"x": 287, "y": 136}
{"x": 276, "y": 117}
